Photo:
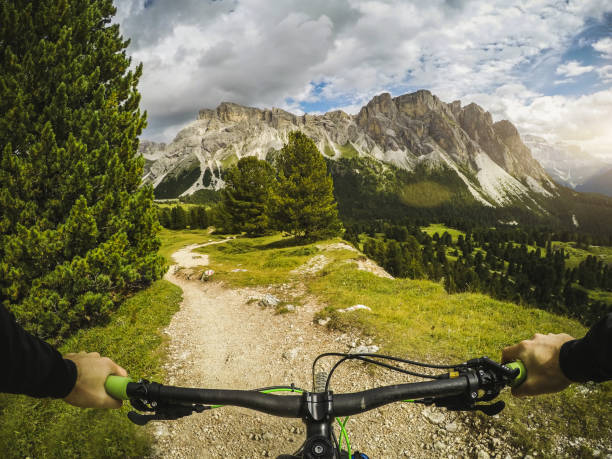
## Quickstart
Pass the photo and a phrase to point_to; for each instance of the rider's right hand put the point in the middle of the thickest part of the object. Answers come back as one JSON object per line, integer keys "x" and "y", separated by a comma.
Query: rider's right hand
{"x": 540, "y": 355}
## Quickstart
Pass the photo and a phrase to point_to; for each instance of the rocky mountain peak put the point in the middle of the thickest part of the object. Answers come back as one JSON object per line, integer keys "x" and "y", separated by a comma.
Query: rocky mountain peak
{"x": 411, "y": 129}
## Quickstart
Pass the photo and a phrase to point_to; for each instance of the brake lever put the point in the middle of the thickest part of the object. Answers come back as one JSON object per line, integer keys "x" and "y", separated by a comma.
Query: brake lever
{"x": 162, "y": 412}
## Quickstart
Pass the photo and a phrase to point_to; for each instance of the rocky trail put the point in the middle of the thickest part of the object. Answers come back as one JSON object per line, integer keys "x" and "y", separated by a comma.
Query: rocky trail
{"x": 223, "y": 338}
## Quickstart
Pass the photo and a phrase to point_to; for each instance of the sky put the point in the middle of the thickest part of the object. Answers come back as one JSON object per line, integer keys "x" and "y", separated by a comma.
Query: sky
{"x": 544, "y": 65}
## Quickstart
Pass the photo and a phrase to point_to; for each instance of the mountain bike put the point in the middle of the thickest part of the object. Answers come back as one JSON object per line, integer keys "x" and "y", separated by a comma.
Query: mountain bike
{"x": 462, "y": 387}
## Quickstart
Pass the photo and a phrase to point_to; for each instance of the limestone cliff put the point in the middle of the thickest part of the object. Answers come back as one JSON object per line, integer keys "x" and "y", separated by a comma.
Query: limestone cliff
{"x": 405, "y": 131}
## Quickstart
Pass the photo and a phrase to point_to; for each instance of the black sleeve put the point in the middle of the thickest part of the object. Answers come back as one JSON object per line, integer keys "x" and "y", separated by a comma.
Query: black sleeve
{"x": 589, "y": 358}
{"x": 29, "y": 365}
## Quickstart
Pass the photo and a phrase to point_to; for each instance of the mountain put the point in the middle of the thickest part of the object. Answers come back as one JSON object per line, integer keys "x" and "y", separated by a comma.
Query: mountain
{"x": 413, "y": 132}
{"x": 566, "y": 164}
{"x": 600, "y": 183}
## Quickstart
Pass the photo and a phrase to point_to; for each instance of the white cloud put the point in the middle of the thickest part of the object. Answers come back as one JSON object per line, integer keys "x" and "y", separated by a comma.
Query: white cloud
{"x": 582, "y": 120}
{"x": 604, "y": 46}
{"x": 605, "y": 73}
{"x": 573, "y": 68}
{"x": 198, "y": 53}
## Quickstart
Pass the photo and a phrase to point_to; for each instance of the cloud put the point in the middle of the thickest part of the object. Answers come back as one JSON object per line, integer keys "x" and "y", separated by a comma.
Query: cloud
{"x": 573, "y": 68}
{"x": 296, "y": 54}
{"x": 605, "y": 73}
{"x": 604, "y": 46}
{"x": 581, "y": 120}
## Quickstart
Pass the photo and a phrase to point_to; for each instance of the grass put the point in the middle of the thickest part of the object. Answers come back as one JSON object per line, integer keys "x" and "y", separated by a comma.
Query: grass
{"x": 441, "y": 229}
{"x": 425, "y": 194}
{"x": 577, "y": 255}
{"x": 229, "y": 161}
{"x": 267, "y": 260}
{"x": 329, "y": 151}
{"x": 347, "y": 151}
{"x": 418, "y": 319}
{"x": 45, "y": 428}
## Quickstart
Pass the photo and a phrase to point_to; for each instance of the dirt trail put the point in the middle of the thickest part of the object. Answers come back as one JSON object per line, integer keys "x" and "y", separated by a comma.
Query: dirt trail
{"x": 219, "y": 339}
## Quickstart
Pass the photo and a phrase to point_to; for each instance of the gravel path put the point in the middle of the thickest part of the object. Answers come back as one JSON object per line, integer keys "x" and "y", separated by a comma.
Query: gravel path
{"x": 221, "y": 338}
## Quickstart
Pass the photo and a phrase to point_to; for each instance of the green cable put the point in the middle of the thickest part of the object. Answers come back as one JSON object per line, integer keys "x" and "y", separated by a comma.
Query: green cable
{"x": 343, "y": 432}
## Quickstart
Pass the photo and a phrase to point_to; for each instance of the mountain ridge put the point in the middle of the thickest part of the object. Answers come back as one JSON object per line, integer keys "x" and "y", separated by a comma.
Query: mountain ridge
{"x": 406, "y": 131}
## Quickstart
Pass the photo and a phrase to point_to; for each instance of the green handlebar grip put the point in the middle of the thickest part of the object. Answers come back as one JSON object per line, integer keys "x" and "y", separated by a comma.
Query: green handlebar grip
{"x": 116, "y": 386}
{"x": 517, "y": 364}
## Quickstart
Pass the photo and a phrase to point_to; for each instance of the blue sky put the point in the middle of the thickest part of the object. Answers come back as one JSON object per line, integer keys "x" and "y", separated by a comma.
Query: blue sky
{"x": 544, "y": 65}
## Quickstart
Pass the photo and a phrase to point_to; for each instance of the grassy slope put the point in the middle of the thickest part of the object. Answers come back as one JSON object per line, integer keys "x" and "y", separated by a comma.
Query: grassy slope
{"x": 419, "y": 319}
{"x": 51, "y": 428}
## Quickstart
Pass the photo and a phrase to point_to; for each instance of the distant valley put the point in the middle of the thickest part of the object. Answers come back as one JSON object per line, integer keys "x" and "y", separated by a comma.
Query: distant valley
{"x": 570, "y": 166}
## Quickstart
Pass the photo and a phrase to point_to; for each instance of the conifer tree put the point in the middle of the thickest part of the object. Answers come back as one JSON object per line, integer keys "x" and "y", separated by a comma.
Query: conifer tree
{"x": 76, "y": 231}
{"x": 305, "y": 205}
{"x": 246, "y": 196}
{"x": 178, "y": 217}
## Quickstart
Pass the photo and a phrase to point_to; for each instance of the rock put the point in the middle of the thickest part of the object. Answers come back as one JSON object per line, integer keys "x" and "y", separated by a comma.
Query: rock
{"x": 483, "y": 455}
{"x": 452, "y": 427}
{"x": 355, "y": 308}
{"x": 435, "y": 417}
{"x": 324, "y": 322}
{"x": 269, "y": 301}
{"x": 439, "y": 446}
{"x": 291, "y": 354}
{"x": 290, "y": 308}
{"x": 364, "y": 350}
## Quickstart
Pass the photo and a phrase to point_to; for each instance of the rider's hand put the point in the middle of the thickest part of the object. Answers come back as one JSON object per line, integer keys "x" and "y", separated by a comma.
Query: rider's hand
{"x": 92, "y": 371}
{"x": 541, "y": 358}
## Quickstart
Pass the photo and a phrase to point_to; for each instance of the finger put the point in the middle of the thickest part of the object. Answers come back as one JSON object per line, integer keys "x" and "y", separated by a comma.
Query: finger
{"x": 511, "y": 353}
{"x": 117, "y": 370}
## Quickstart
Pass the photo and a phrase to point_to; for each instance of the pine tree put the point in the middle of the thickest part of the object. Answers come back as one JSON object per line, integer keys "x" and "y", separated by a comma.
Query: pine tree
{"x": 178, "y": 218}
{"x": 305, "y": 205}
{"x": 76, "y": 231}
{"x": 246, "y": 196}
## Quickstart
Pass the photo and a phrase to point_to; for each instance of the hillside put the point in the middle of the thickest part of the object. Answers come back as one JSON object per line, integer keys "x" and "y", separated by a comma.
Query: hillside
{"x": 414, "y": 319}
{"x": 411, "y": 132}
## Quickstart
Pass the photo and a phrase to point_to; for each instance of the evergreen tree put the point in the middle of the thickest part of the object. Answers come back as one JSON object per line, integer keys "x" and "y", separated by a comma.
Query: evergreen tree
{"x": 246, "y": 196}
{"x": 76, "y": 231}
{"x": 198, "y": 218}
{"x": 178, "y": 218}
{"x": 305, "y": 205}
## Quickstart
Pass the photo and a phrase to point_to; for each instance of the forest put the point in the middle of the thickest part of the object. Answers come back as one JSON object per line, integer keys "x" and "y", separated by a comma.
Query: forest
{"x": 523, "y": 266}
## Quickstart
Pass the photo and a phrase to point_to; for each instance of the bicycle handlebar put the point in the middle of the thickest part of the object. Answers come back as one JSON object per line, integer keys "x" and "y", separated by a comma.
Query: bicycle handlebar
{"x": 124, "y": 388}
